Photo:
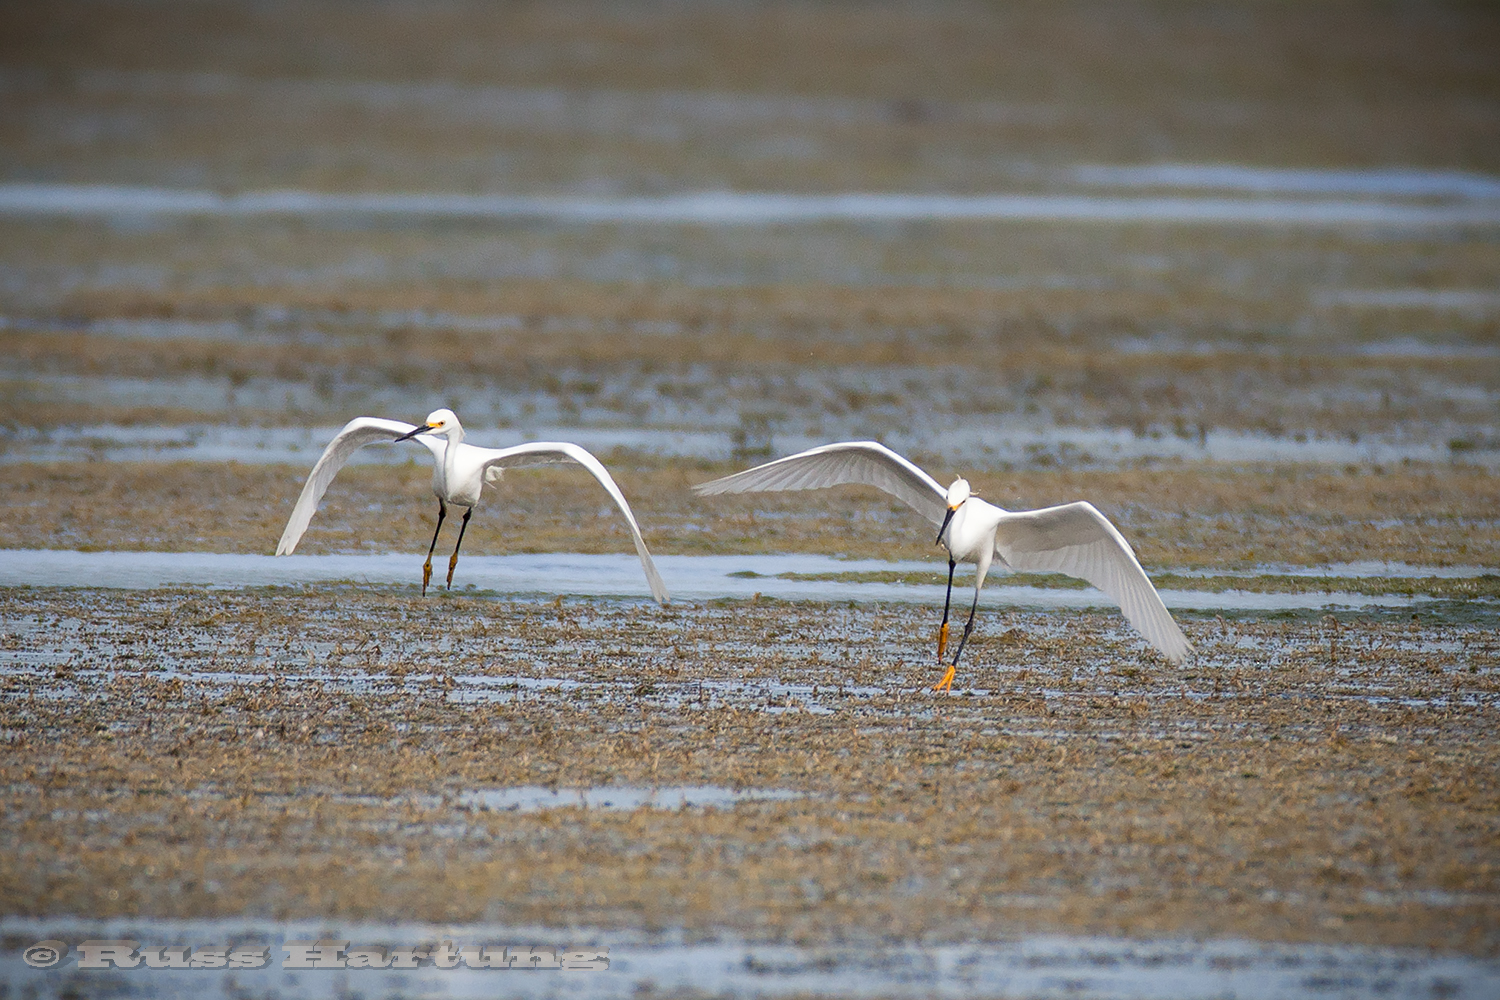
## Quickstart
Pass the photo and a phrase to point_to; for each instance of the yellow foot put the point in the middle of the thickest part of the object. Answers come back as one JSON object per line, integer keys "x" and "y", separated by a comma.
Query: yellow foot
{"x": 942, "y": 640}
{"x": 452, "y": 562}
{"x": 426, "y": 575}
{"x": 946, "y": 684}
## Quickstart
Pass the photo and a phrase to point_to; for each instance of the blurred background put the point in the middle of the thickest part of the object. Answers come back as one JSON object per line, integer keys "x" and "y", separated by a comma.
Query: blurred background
{"x": 1092, "y": 235}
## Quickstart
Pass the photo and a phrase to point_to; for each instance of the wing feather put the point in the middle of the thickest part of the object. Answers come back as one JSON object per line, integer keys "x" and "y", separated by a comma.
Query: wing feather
{"x": 355, "y": 435}
{"x": 1077, "y": 540}
{"x": 866, "y": 462}
{"x": 562, "y": 452}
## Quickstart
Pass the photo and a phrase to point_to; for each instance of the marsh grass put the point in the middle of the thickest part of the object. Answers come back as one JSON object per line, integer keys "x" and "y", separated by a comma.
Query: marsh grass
{"x": 1180, "y": 516}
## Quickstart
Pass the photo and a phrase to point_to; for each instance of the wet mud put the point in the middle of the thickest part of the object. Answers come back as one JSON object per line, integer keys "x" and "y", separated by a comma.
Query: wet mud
{"x": 318, "y": 752}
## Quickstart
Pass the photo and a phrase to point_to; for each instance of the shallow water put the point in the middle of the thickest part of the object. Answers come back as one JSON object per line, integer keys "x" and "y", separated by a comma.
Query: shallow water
{"x": 1462, "y": 300}
{"x": 302, "y": 445}
{"x": 1390, "y": 182}
{"x": 305, "y": 326}
{"x": 975, "y": 444}
{"x": 1041, "y": 965}
{"x": 692, "y": 578}
{"x": 739, "y": 208}
{"x": 1366, "y": 569}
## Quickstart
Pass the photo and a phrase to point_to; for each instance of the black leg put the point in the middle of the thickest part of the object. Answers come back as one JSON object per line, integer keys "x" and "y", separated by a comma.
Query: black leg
{"x": 946, "y": 684}
{"x": 427, "y": 566}
{"x": 968, "y": 627}
{"x": 453, "y": 559}
{"x": 947, "y": 601}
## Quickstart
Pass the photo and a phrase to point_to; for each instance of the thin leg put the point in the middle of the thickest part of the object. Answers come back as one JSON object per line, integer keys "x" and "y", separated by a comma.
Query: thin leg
{"x": 947, "y": 601}
{"x": 946, "y": 684}
{"x": 453, "y": 559}
{"x": 427, "y": 566}
{"x": 968, "y": 627}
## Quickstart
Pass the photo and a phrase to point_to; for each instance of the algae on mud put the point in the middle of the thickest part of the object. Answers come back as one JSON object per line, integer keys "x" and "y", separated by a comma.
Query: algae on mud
{"x": 304, "y": 753}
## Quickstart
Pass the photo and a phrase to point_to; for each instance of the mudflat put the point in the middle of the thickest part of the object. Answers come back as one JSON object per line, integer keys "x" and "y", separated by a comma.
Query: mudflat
{"x": 326, "y": 752}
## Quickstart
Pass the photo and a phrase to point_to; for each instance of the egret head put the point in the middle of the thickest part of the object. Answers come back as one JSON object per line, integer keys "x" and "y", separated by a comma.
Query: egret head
{"x": 958, "y": 493}
{"x": 443, "y": 422}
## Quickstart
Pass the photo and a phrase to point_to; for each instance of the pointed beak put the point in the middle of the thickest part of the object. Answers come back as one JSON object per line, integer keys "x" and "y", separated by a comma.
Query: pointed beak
{"x": 419, "y": 429}
{"x": 946, "y": 518}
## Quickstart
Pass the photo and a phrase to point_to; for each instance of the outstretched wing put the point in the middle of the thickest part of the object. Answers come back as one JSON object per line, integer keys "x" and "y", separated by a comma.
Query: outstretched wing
{"x": 356, "y": 434}
{"x": 1078, "y": 540}
{"x": 558, "y": 452}
{"x": 866, "y": 462}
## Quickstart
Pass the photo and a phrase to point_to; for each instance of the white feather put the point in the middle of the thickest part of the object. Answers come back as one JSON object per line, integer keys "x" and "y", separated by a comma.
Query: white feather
{"x": 1074, "y": 539}
{"x": 1077, "y": 540}
{"x": 355, "y": 435}
{"x": 867, "y": 462}
{"x": 559, "y": 452}
{"x": 460, "y": 473}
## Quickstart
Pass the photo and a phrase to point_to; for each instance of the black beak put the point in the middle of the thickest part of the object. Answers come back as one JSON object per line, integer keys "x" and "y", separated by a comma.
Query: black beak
{"x": 946, "y": 518}
{"x": 413, "y": 432}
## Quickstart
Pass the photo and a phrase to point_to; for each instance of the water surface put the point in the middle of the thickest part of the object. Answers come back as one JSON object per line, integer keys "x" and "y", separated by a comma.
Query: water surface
{"x": 692, "y": 578}
{"x": 738, "y": 208}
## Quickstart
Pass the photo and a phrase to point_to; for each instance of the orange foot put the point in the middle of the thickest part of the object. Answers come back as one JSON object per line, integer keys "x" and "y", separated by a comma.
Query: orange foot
{"x": 942, "y": 640}
{"x": 452, "y": 562}
{"x": 426, "y": 574}
{"x": 946, "y": 684}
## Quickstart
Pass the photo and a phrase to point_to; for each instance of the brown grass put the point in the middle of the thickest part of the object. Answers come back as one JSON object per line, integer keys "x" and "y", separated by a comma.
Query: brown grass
{"x": 1179, "y": 516}
{"x": 1275, "y": 803}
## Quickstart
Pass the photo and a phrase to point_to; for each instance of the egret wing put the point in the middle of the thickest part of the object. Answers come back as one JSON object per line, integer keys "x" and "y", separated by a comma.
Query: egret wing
{"x": 559, "y": 452}
{"x": 1078, "y": 540}
{"x": 868, "y": 462}
{"x": 356, "y": 434}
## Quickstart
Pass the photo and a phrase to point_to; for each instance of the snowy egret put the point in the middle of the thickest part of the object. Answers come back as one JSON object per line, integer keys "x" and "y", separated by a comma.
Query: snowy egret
{"x": 460, "y": 471}
{"x": 1072, "y": 538}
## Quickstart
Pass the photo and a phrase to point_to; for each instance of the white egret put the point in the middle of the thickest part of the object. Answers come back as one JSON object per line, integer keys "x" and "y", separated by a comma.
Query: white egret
{"x": 460, "y": 471}
{"x": 1072, "y": 538}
